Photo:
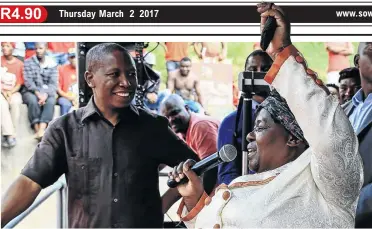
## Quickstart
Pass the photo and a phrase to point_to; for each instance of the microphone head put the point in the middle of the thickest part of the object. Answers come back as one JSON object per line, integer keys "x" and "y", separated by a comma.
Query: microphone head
{"x": 227, "y": 153}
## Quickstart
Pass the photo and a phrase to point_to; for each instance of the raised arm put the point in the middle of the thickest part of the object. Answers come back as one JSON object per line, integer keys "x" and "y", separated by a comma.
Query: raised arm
{"x": 335, "y": 162}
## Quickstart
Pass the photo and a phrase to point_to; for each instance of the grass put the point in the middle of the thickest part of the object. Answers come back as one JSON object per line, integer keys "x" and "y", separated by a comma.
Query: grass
{"x": 314, "y": 52}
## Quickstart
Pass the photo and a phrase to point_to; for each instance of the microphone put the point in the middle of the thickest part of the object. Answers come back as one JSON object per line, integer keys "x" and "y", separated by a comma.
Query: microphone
{"x": 226, "y": 154}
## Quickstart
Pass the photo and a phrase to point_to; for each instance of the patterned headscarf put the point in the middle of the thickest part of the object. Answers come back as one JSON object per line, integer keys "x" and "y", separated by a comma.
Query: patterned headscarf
{"x": 279, "y": 110}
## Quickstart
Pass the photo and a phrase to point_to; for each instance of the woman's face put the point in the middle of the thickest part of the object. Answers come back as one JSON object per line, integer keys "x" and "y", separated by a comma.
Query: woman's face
{"x": 266, "y": 140}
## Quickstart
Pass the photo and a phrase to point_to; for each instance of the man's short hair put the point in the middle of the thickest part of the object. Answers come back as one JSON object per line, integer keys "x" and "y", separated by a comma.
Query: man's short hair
{"x": 185, "y": 59}
{"x": 98, "y": 53}
{"x": 261, "y": 53}
{"x": 350, "y": 73}
{"x": 332, "y": 85}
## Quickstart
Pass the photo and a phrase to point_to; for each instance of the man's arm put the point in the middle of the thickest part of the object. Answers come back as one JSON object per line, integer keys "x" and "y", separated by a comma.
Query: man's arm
{"x": 20, "y": 195}
{"x": 53, "y": 82}
{"x": 28, "y": 75}
{"x": 339, "y": 49}
{"x": 170, "y": 150}
{"x": 44, "y": 168}
{"x": 170, "y": 197}
{"x": 349, "y": 49}
{"x": 198, "y": 92}
{"x": 171, "y": 81}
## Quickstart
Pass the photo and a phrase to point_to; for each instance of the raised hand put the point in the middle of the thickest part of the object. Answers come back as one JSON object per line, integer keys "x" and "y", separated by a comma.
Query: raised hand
{"x": 281, "y": 37}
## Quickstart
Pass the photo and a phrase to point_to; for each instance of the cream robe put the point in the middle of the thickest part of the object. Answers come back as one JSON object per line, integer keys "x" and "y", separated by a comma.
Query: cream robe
{"x": 318, "y": 189}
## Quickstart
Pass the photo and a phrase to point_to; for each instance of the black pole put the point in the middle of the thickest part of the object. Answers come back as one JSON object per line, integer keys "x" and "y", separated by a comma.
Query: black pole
{"x": 247, "y": 127}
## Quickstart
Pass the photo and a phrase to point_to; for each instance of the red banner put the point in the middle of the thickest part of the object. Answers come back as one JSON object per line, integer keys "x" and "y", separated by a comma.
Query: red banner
{"x": 23, "y": 14}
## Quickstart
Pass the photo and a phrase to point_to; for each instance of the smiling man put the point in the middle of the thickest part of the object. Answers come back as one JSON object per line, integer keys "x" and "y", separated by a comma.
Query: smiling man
{"x": 109, "y": 150}
{"x": 199, "y": 131}
{"x": 349, "y": 84}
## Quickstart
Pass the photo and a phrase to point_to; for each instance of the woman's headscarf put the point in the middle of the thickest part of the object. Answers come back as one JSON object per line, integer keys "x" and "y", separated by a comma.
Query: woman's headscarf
{"x": 279, "y": 110}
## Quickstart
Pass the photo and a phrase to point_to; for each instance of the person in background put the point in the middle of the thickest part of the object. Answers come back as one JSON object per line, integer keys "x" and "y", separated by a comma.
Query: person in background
{"x": 349, "y": 81}
{"x": 211, "y": 51}
{"x": 186, "y": 84}
{"x": 230, "y": 131}
{"x": 11, "y": 83}
{"x": 59, "y": 51}
{"x": 41, "y": 82}
{"x": 67, "y": 82}
{"x": 19, "y": 51}
{"x": 334, "y": 90}
{"x": 338, "y": 53}
{"x": 359, "y": 111}
{"x": 174, "y": 52}
{"x": 199, "y": 132}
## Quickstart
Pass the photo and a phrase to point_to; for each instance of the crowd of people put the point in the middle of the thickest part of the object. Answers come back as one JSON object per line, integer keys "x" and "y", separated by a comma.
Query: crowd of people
{"x": 40, "y": 75}
{"x": 309, "y": 151}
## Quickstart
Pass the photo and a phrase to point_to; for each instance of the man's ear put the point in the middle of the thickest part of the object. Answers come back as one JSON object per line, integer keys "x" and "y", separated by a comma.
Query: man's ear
{"x": 293, "y": 141}
{"x": 89, "y": 79}
{"x": 187, "y": 108}
{"x": 356, "y": 60}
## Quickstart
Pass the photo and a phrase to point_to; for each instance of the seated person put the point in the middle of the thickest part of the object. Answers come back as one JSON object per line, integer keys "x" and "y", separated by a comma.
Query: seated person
{"x": 11, "y": 82}
{"x": 67, "y": 92}
{"x": 198, "y": 131}
{"x": 299, "y": 182}
{"x": 41, "y": 81}
{"x": 187, "y": 85}
{"x": 230, "y": 131}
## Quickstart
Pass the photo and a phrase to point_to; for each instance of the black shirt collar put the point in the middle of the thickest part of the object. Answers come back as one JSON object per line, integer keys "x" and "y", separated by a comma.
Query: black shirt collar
{"x": 91, "y": 109}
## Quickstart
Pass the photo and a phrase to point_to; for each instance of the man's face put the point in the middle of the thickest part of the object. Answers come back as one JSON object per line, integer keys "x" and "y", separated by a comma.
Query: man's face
{"x": 348, "y": 88}
{"x": 7, "y": 49}
{"x": 115, "y": 81}
{"x": 40, "y": 50}
{"x": 72, "y": 60}
{"x": 185, "y": 67}
{"x": 265, "y": 139}
{"x": 257, "y": 64}
{"x": 177, "y": 115}
{"x": 365, "y": 68}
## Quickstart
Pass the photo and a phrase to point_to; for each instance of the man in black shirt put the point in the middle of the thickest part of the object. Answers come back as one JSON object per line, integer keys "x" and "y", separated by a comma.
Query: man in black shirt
{"x": 109, "y": 150}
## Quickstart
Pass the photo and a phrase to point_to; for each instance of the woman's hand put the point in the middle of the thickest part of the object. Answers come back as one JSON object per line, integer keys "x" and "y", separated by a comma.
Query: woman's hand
{"x": 281, "y": 37}
{"x": 191, "y": 190}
